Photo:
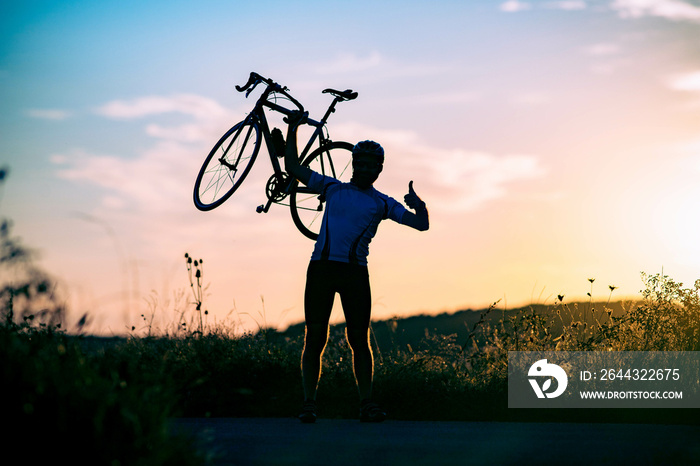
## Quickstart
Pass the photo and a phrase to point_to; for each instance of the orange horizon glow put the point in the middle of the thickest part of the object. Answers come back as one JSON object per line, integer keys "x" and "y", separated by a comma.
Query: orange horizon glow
{"x": 553, "y": 142}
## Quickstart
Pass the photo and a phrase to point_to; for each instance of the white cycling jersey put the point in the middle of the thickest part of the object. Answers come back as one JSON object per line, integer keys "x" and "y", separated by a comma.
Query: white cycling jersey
{"x": 350, "y": 219}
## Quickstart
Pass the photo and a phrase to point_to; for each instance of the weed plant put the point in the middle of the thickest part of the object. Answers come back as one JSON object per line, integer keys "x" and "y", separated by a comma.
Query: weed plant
{"x": 112, "y": 402}
{"x": 63, "y": 403}
{"x": 91, "y": 401}
{"x": 99, "y": 409}
{"x": 218, "y": 373}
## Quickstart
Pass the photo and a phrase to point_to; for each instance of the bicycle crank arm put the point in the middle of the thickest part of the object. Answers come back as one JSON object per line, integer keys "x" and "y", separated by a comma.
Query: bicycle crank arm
{"x": 263, "y": 208}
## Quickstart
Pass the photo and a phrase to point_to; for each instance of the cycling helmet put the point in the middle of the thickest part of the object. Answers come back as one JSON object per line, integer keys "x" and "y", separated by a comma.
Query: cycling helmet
{"x": 369, "y": 148}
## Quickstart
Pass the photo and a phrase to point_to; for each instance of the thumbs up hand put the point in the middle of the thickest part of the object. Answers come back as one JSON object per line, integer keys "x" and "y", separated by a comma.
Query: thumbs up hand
{"x": 412, "y": 200}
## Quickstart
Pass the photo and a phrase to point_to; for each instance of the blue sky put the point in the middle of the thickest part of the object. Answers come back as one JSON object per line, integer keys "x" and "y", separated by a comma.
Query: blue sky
{"x": 554, "y": 141}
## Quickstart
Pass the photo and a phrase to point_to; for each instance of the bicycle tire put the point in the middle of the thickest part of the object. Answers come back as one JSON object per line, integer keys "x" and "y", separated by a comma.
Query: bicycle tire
{"x": 238, "y": 147}
{"x": 333, "y": 159}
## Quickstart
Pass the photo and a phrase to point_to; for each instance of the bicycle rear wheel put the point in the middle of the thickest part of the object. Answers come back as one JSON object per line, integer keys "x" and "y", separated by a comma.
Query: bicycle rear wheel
{"x": 334, "y": 160}
{"x": 227, "y": 165}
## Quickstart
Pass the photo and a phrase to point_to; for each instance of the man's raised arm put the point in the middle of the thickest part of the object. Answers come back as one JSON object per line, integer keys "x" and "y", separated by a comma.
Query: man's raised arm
{"x": 419, "y": 220}
{"x": 291, "y": 154}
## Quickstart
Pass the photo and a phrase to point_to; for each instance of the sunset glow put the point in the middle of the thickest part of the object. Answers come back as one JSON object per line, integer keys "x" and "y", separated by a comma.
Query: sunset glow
{"x": 553, "y": 142}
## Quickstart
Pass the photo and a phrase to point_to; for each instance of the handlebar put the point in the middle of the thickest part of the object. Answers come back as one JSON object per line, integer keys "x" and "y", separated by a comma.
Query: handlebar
{"x": 254, "y": 79}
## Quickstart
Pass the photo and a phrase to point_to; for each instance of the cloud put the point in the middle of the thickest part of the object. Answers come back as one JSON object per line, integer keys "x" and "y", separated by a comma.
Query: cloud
{"x": 49, "y": 114}
{"x": 607, "y": 57}
{"x": 444, "y": 97}
{"x": 513, "y": 6}
{"x": 206, "y": 114}
{"x": 161, "y": 176}
{"x": 456, "y": 180}
{"x": 201, "y": 108}
{"x": 382, "y": 69}
{"x": 182, "y": 133}
{"x": 153, "y": 189}
{"x": 372, "y": 70}
{"x": 531, "y": 98}
{"x": 148, "y": 198}
{"x": 477, "y": 178}
{"x": 686, "y": 82}
{"x": 154, "y": 181}
{"x": 570, "y": 5}
{"x": 675, "y": 10}
{"x": 602, "y": 49}
{"x": 350, "y": 63}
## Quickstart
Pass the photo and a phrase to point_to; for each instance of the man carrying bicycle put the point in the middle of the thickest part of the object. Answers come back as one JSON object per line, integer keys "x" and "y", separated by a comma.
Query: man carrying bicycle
{"x": 339, "y": 262}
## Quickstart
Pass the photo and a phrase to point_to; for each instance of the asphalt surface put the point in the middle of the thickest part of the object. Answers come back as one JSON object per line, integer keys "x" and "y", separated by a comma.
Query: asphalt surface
{"x": 269, "y": 441}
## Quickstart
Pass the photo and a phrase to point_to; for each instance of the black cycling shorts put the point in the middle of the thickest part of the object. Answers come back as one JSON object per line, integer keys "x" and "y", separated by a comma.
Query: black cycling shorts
{"x": 324, "y": 279}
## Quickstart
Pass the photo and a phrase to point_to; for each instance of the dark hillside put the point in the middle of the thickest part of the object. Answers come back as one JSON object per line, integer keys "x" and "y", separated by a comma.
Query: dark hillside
{"x": 400, "y": 333}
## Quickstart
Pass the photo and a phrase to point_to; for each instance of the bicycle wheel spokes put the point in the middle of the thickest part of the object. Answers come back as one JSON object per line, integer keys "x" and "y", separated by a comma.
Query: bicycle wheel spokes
{"x": 334, "y": 160}
{"x": 309, "y": 209}
{"x": 226, "y": 166}
{"x": 338, "y": 167}
{"x": 222, "y": 176}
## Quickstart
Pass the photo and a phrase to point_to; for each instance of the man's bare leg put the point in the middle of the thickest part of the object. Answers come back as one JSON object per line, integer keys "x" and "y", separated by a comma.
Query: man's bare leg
{"x": 362, "y": 360}
{"x": 311, "y": 359}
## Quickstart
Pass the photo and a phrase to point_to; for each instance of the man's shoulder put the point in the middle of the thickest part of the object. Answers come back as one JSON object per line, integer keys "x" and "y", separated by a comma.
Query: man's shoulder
{"x": 382, "y": 196}
{"x": 393, "y": 209}
{"x": 379, "y": 193}
{"x": 320, "y": 181}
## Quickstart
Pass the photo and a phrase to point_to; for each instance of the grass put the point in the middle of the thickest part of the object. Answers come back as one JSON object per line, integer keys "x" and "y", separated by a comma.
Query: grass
{"x": 111, "y": 400}
{"x": 62, "y": 403}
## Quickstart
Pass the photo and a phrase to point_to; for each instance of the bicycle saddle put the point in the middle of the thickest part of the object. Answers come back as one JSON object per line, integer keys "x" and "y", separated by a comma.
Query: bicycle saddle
{"x": 347, "y": 94}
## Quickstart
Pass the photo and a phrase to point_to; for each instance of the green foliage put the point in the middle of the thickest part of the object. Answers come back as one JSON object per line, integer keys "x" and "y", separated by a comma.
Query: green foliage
{"x": 65, "y": 404}
{"x": 112, "y": 400}
{"x": 120, "y": 394}
{"x": 667, "y": 319}
{"x": 437, "y": 377}
{"x": 27, "y": 294}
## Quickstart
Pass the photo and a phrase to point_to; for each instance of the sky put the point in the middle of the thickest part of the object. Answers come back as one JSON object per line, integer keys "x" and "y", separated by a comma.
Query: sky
{"x": 553, "y": 141}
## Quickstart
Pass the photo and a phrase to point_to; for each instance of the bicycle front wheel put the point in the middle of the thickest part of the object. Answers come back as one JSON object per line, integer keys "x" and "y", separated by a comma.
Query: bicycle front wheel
{"x": 227, "y": 165}
{"x": 334, "y": 160}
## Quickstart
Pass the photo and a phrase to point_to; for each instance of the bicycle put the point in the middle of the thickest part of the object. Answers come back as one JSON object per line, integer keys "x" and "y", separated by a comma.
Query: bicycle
{"x": 232, "y": 157}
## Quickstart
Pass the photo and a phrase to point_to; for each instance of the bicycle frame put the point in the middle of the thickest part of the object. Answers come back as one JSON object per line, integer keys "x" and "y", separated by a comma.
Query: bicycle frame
{"x": 230, "y": 160}
{"x": 258, "y": 115}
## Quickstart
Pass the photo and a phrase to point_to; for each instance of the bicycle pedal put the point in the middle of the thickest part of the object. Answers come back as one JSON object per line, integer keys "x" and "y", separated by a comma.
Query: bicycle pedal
{"x": 260, "y": 209}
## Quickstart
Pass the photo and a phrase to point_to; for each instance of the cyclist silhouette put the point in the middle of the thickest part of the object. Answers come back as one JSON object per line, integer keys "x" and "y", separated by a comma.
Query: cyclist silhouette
{"x": 339, "y": 262}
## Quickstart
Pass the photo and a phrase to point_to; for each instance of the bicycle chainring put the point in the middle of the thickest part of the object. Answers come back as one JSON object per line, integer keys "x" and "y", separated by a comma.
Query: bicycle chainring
{"x": 277, "y": 186}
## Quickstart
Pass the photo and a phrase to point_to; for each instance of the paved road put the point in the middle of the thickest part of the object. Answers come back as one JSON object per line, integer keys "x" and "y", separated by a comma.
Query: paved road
{"x": 265, "y": 441}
